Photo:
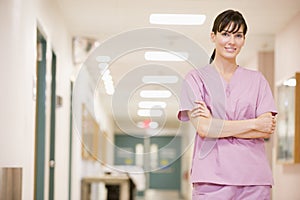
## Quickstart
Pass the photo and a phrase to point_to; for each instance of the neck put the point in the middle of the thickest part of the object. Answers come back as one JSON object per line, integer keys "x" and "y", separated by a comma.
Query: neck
{"x": 224, "y": 66}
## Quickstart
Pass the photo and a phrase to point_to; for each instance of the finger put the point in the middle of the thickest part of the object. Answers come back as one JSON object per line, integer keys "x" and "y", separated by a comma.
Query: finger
{"x": 199, "y": 112}
{"x": 202, "y": 106}
{"x": 196, "y": 113}
{"x": 195, "y": 109}
{"x": 204, "y": 109}
{"x": 201, "y": 109}
{"x": 200, "y": 103}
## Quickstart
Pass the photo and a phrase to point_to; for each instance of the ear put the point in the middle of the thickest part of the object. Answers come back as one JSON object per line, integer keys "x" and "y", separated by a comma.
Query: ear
{"x": 212, "y": 37}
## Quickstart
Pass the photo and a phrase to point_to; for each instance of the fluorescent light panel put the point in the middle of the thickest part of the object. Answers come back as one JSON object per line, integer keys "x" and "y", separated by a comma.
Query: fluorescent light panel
{"x": 177, "y": 19}
{"x": 155, "y": 94}
{"x": 149, "y": 113}
{"x": 103, "y": 59}
{"x": 165, "y": 56}
{"x": 160, "y": 79}
{"x": 152, "y": 104}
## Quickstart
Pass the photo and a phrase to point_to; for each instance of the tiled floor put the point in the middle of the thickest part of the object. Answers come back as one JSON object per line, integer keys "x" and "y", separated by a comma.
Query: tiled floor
{"x": 161, "y": 195}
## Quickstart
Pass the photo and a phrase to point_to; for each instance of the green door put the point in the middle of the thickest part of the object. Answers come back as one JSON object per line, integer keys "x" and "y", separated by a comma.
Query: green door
{"x": 52, "y": 129}
{"x": 40, "y": 118}
{"x": 167, "y": 162}
{"x": 125, "y": 149}
{"x": 165, "y": 165}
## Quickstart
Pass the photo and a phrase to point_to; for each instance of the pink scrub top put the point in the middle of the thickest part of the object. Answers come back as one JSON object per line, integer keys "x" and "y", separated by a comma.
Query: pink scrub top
{"x": 228, "y": 161}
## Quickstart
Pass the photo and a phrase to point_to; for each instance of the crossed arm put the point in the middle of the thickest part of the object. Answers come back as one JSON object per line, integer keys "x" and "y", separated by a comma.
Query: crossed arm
{"x": 207, "y": 126}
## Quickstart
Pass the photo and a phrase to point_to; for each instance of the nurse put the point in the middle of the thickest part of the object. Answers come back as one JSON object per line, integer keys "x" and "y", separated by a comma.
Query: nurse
{"x": 232, "y": 110}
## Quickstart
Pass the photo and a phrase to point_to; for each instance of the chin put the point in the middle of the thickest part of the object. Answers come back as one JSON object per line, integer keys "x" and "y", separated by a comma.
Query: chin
{"x": 230, "y": 56}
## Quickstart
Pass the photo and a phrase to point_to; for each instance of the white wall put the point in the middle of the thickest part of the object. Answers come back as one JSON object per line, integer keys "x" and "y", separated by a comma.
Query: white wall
{"x": 287, "y": 51}
{"x": 16, "y": 104}
{"x": 84, "y": 93}
{"x": 18, "y": 21}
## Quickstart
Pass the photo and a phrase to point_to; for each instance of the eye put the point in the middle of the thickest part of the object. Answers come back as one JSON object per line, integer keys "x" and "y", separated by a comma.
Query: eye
{"x": 239, "y": 35}
{"x": 226, "y": 34}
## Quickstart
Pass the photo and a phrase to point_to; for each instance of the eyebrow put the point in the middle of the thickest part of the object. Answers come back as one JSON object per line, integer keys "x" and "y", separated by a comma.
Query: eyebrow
{"x": 231, "y": 31}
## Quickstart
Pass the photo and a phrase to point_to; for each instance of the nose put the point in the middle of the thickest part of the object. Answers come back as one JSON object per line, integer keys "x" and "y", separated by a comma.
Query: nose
{"x": 231, "y": 39}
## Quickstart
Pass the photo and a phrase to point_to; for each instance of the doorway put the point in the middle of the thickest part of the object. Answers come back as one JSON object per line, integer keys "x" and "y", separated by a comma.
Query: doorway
{"x": 40, "y": 120}
{"x": 52, "y": 128}
{"x": 41, "y": 163}
{"x": 166, "y": 161}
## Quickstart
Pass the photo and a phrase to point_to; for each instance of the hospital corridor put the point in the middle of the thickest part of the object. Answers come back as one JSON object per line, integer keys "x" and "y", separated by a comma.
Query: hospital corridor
{"x": 91, "y": 92}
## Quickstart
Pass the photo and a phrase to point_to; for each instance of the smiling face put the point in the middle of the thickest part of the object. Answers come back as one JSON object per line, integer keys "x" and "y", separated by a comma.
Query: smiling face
{"x": 228, "y": 42}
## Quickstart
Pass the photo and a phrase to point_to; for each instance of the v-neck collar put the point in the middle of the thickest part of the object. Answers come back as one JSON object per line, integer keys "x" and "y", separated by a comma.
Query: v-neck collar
{"x": 231, "y": 78}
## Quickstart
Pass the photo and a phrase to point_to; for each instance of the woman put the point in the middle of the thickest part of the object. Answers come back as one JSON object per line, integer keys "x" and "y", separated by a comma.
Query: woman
{"x": 232, "y": 110}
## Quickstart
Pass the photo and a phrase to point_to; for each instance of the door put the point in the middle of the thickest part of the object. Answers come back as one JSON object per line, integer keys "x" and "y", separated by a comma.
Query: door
{"x": 165, "y": 164}
{"x": 126, "y": 150}
{"x": 167, "y": 161}
{"x": 40, "y": 117}
{"x": 52, "y": 128}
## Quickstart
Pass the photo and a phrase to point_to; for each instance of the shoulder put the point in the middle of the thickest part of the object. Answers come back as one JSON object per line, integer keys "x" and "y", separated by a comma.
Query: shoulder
{"x": 198, "y": 72}
{"x": 252, "y": 74}
{"x": 196, "y": 77}
{"x": 255, "y": 78}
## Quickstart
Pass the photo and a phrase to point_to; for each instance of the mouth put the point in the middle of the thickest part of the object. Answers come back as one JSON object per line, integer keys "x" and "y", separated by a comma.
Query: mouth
{"x": 230, "y": 49}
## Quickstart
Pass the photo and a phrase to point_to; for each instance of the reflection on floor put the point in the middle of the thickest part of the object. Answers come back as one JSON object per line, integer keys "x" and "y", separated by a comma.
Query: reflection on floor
{"x": 160, "y": 195}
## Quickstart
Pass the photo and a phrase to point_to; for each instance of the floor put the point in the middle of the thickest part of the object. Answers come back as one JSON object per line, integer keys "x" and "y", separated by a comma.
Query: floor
{"x": 160, "y": 195}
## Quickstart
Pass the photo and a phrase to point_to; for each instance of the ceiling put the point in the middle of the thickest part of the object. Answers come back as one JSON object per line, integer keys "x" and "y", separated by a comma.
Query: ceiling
{"x": 101, "y": 20}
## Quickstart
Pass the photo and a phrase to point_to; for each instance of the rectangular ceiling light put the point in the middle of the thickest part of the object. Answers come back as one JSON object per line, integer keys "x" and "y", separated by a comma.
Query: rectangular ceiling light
{"x": 166, "y": 56}
{"x": 155, "y": 94}
{"x": 177, "y": 19}
{"x": 152, "y": 104}
{"x": 149, "y": 113}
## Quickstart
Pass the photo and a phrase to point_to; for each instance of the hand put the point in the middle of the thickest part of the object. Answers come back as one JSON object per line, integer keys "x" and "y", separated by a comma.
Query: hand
{"x": 201, "y": 110}
{"x": 265, "y": 123}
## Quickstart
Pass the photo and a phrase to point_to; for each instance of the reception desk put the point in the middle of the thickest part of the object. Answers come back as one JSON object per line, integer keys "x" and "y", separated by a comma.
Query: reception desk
{"x": 126, "y": 186}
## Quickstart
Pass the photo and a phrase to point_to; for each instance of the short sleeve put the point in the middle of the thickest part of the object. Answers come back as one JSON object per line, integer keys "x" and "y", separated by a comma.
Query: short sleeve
{"x": 265, "y": 100}
{"x": 192, "y": 90}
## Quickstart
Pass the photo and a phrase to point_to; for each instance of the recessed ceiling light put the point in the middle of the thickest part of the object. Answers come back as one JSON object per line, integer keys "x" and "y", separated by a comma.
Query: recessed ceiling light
{"x": 160, "y": 79}
{"x": 166, "y": 56}
{"x": 155, "y": 94}
{"x": 177, "y": 19}
{"x": 152, "y": 104}
{"x": 149, "y": 113}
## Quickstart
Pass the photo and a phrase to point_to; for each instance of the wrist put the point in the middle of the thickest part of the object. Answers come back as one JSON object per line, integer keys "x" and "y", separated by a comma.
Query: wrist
{"x": 253, "y": 124}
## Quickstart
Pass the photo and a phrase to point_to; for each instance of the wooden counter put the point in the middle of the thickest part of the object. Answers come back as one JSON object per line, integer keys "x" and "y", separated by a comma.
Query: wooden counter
{"x": 124, "y": 181}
